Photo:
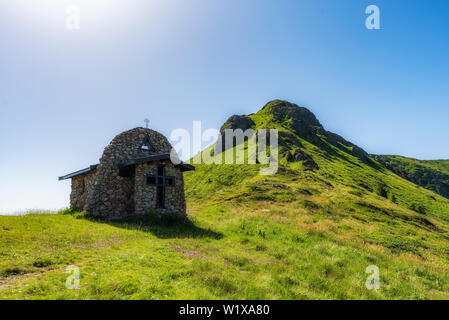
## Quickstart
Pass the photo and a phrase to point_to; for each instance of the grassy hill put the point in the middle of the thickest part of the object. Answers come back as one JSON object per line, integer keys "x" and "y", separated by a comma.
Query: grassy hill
{"x": 442, "y": 165}
{"x": 430, "y": 174}
{"x": 308, "y": 232}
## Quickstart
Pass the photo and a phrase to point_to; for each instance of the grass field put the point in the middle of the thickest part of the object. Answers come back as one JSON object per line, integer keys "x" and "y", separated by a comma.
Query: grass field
{"x": 286, "y": 237}
{"x": 299, "y": 234}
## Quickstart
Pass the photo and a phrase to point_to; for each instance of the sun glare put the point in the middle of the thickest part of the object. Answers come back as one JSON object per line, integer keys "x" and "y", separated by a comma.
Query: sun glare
{"x": 90, "y": 9}
{"x": 88, "y": 16}
{"x": 85, "y": 5}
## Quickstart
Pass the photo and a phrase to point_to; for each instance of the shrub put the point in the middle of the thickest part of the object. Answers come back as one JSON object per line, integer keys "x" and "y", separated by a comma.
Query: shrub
{"x": 381, "y": 190}
{"x": 419, "y": 208}
{"x": 71, "y": 210}
{"x": 42, "y": 262}
{"x": 393, "y": 198}
{"x": 13, "y": 271}
{"x": 310, "y": 205}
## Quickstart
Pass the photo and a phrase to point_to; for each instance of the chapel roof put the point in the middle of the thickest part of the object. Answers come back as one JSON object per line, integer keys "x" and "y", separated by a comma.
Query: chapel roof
{"x": 79, "y": 172}
{"x": 182, "y": 165}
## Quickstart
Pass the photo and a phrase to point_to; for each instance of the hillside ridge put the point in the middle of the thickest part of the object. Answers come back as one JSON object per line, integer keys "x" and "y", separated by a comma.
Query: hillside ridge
{"x": 295, "y": 121}
{"x": 292, "y": 122}
{"x": 430, "y": 174}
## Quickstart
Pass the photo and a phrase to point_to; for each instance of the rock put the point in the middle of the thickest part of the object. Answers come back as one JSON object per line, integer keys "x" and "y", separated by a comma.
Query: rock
{"x": 237, "y": 122}
{"x": 234, "y": 122}
{"x": 358, "y": 152}
{"x": 287, "y": 138}
{"x": 307, "y": 160}
{"x": 300, "y": 119}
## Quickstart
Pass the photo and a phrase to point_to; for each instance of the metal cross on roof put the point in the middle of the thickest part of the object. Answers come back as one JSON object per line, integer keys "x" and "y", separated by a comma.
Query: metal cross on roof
{"x": 146, "y": 122}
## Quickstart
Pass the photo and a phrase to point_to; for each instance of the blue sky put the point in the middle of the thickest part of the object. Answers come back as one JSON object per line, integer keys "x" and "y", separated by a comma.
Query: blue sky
{"x": 64, "y": 94}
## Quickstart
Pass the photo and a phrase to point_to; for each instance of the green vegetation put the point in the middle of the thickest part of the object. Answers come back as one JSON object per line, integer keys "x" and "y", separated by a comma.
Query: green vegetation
{"x": 442, "y": 165}
{"x": 430, "y": 174}
{"x": 299, "y": 234}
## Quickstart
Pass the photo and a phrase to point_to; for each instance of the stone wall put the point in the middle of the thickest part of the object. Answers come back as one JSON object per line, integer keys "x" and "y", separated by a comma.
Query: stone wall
{"x": 111, "y": 194}
{"x": 81, "y": 185}
{"x": 145, "y": 195}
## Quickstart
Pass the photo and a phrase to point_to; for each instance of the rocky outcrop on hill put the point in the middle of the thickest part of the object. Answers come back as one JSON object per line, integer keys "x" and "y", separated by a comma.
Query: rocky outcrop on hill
{"x": 237, "y": 122}
{"x": 307, "y": 160}
{"x": 296, "y": 122}
{"x": 304, "y": 123}
{"x": 234, "y": 122}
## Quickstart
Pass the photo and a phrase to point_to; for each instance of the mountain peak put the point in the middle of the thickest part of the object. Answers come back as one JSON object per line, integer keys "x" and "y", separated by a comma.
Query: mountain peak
{"x": 283, "y": 110}
{"x": 293, "y": 121}
{"x": 299, "y": 119}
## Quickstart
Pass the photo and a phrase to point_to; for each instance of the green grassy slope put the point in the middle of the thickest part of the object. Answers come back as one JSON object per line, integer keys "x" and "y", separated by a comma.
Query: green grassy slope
{"x": 430, "y": 174}
{"x": 299, "y": 234}
{"x": 353, "y": 203}
{"x": 442, "y": 165}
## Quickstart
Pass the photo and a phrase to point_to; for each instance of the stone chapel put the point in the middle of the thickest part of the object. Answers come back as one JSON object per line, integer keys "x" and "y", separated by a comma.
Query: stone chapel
{"x": 135, "y": 174}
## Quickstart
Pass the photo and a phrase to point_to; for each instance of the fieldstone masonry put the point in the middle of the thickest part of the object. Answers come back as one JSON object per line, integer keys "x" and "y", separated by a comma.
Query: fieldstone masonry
{"x": 144, "y": 194}
{"x": 121, "y": 183}
{"x": 80, "y": 186}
